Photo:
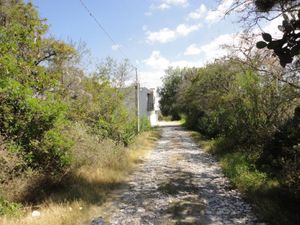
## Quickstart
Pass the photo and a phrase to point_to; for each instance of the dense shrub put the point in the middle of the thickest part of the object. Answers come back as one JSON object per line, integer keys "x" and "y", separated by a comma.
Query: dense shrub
{"x": 104, "y": 112}
{"x": 54, "y": 117}
{"x": 91, "y": 150}
{"x": 168, "y": 94}
{"x": 249, "y": 111}
{"x": 282, "y": 152}
{"x": 33, "y": 125}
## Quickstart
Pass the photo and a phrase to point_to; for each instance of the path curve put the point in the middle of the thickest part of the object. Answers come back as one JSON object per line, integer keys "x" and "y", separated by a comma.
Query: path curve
{"x": 179, "y": 184}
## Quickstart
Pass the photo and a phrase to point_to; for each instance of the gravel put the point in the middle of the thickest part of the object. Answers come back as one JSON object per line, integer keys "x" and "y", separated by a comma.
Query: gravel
{"x": 179, "y": 183}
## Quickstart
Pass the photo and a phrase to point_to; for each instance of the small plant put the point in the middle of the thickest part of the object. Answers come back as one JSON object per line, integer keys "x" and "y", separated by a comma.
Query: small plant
{"x": 145, "y": 124}
{"x": 9, "y": 208}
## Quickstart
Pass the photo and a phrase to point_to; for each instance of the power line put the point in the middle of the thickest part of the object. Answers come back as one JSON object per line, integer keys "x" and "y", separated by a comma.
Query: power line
{"x": 137, "y": 85}
{"x": 102, "y": 27}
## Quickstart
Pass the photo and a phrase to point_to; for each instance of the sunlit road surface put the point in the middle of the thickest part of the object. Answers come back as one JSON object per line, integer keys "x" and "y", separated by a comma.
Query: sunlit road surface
{"x": 178, "y": 183}
{"x": 169, "y": 123}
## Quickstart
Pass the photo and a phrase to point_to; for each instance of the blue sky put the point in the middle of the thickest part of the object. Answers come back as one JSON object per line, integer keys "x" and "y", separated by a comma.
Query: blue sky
{"x": 154, "y": 34}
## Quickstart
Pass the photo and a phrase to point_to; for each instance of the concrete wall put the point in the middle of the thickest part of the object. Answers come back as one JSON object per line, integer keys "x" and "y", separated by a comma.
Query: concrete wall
{"x": 146, "y": 103}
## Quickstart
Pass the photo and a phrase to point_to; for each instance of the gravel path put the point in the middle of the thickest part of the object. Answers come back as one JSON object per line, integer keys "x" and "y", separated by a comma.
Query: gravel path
{"x": 179, "y": 184}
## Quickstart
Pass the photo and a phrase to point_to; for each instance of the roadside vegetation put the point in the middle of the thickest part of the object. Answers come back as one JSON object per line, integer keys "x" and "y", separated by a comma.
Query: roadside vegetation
{"x": 66, "y": 136}
{"x": 246, "y": 107}
{"x": 251, "y": 123}
{"x": 84, "y": 190}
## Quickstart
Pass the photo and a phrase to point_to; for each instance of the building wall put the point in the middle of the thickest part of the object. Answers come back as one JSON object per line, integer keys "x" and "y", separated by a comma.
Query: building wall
{"x": 146, "y": 103}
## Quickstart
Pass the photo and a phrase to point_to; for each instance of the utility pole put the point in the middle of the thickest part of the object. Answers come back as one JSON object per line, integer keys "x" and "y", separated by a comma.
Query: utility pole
{"x": 137, "y": 101}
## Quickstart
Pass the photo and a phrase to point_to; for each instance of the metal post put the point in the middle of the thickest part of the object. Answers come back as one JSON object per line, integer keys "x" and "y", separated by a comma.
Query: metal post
{"x": 137, "y": 98}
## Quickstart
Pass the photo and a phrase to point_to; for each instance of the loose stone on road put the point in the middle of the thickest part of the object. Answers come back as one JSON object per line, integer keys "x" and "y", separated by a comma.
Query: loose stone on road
{"x": 179, "y": 184}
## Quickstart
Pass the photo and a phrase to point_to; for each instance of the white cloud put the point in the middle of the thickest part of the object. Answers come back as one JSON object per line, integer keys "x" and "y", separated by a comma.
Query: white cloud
{"x": 198, "y": 13}
{"x": 156, "y": 64}
{"x": 213, "y": 49}
{"x": 157, "y": 61}
{"x": 214, "y": 16}
{"x": 163, "y": 36}
{"x": 184, "y": 30}
{"x": 166, "y": 34}
{"x": 166, "y": 4}
{"x": 151, "y": 78}
{"x": 116, "y": 47}
{"x": 192, "y": 50}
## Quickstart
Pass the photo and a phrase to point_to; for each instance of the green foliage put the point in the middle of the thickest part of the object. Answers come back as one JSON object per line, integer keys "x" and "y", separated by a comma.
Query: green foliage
{"x": 130, "y": 132}
{"x": 34, "y": 126}
{"x": 282, "y": 152}
{"x": 9, "y": 208}
{"x": 23, "y": 49}
{"x": 168, "y": 93}
{"x": 287, "y": 47}
{"x": 242, "y": 171}
{"x": 145, "y": 124}
{"x": 105, "y": 112}
{"x": 272, "y": 203}
{"x": 90, "y": 150}
{"x": 44, "y": 95}
{"x": 267, "y": 5}
{"x": 250, "y": 112}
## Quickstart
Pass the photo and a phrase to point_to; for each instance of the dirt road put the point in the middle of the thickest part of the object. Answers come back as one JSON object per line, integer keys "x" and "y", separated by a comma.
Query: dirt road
{"x": 179, "y": 184}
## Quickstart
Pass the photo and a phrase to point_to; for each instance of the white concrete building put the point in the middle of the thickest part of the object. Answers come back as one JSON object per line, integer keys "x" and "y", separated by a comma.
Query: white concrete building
{"x": 147, "y": 101}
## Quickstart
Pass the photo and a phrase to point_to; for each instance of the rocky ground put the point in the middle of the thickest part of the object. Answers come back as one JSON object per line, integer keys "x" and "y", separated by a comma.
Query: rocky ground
{"x": 178, "y": 184}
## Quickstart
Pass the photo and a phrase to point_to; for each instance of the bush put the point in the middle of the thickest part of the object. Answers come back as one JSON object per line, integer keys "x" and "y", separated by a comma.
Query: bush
{"x": 10, "y": 163}
{"x": 33, "y": 127}
{"x": 242, "y": 171}
{"x": 90, "y": 150}
{"x": 282, "y": 152}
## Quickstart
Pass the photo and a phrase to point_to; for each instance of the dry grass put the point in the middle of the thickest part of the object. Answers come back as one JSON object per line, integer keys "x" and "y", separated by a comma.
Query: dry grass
{"x": 83, "y": 192}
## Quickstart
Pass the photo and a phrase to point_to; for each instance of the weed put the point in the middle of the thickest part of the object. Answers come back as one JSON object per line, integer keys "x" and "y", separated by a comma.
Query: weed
{"x": 9, "y": 208}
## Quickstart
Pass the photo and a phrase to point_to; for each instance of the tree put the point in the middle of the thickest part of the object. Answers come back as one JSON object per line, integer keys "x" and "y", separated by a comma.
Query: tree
{"x": 247, "y": 55}
{"x": 116, "y": 73}
{"x": 25, "y": 54}
{"x": 286, "y": 48}
{"x": 32, "y": 113}
{"x": 168, "y": 93}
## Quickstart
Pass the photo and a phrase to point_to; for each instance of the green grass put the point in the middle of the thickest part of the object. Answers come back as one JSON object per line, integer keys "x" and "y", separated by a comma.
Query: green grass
{"x": 272, "y": 203}
{"x": 242, "y": 173}
{"x": 9, "y": 208}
